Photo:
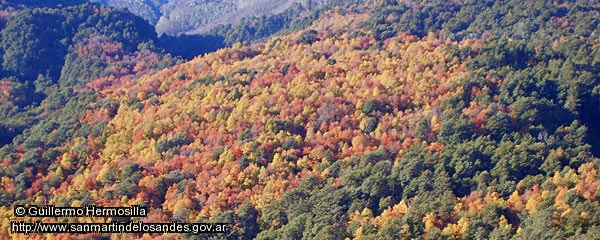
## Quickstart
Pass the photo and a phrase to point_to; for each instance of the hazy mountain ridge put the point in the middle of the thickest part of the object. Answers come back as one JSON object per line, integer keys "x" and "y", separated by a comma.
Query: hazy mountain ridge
{"x": 198, "y": 16}
{"x": 147, "y": 9}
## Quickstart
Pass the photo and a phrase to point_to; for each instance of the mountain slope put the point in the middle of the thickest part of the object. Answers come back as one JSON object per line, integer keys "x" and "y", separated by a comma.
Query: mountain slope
{"x": 385, "y": 120}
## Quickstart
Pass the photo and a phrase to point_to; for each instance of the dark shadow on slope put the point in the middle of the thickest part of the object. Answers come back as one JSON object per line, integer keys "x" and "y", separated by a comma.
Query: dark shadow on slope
{"x": 190, "y": 46}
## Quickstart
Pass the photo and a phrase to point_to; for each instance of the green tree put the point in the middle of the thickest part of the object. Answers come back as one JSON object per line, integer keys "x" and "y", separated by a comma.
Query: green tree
{"x": 498, "y": 125}
{"x": 456, "y": 128}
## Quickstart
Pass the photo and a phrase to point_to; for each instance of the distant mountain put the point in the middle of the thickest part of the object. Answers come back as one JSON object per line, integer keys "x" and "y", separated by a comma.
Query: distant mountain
{"x": 174, "y": 17}
{"x": 45, "y": 3}
{"x": 147, "y": 9}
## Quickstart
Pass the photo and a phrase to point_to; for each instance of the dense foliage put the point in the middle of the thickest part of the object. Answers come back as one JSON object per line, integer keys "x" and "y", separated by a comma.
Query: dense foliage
{"x": 377, "y": 120}
{"x": 50, "y": 52}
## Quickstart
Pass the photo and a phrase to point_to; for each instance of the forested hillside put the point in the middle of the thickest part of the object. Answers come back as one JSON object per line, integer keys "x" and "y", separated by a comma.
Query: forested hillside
{"x": 375, "y": 120}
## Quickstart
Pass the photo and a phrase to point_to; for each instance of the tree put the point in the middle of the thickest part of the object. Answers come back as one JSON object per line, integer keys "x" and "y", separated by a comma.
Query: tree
{"x": 308, "y": 37}
{"x": 498, "y": 125}
{"x": 247, "y": 217}
{"x": 456, "y": 128}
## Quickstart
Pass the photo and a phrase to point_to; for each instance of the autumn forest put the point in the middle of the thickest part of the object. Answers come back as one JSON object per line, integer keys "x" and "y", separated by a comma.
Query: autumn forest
{"x": 369, "y": 119}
